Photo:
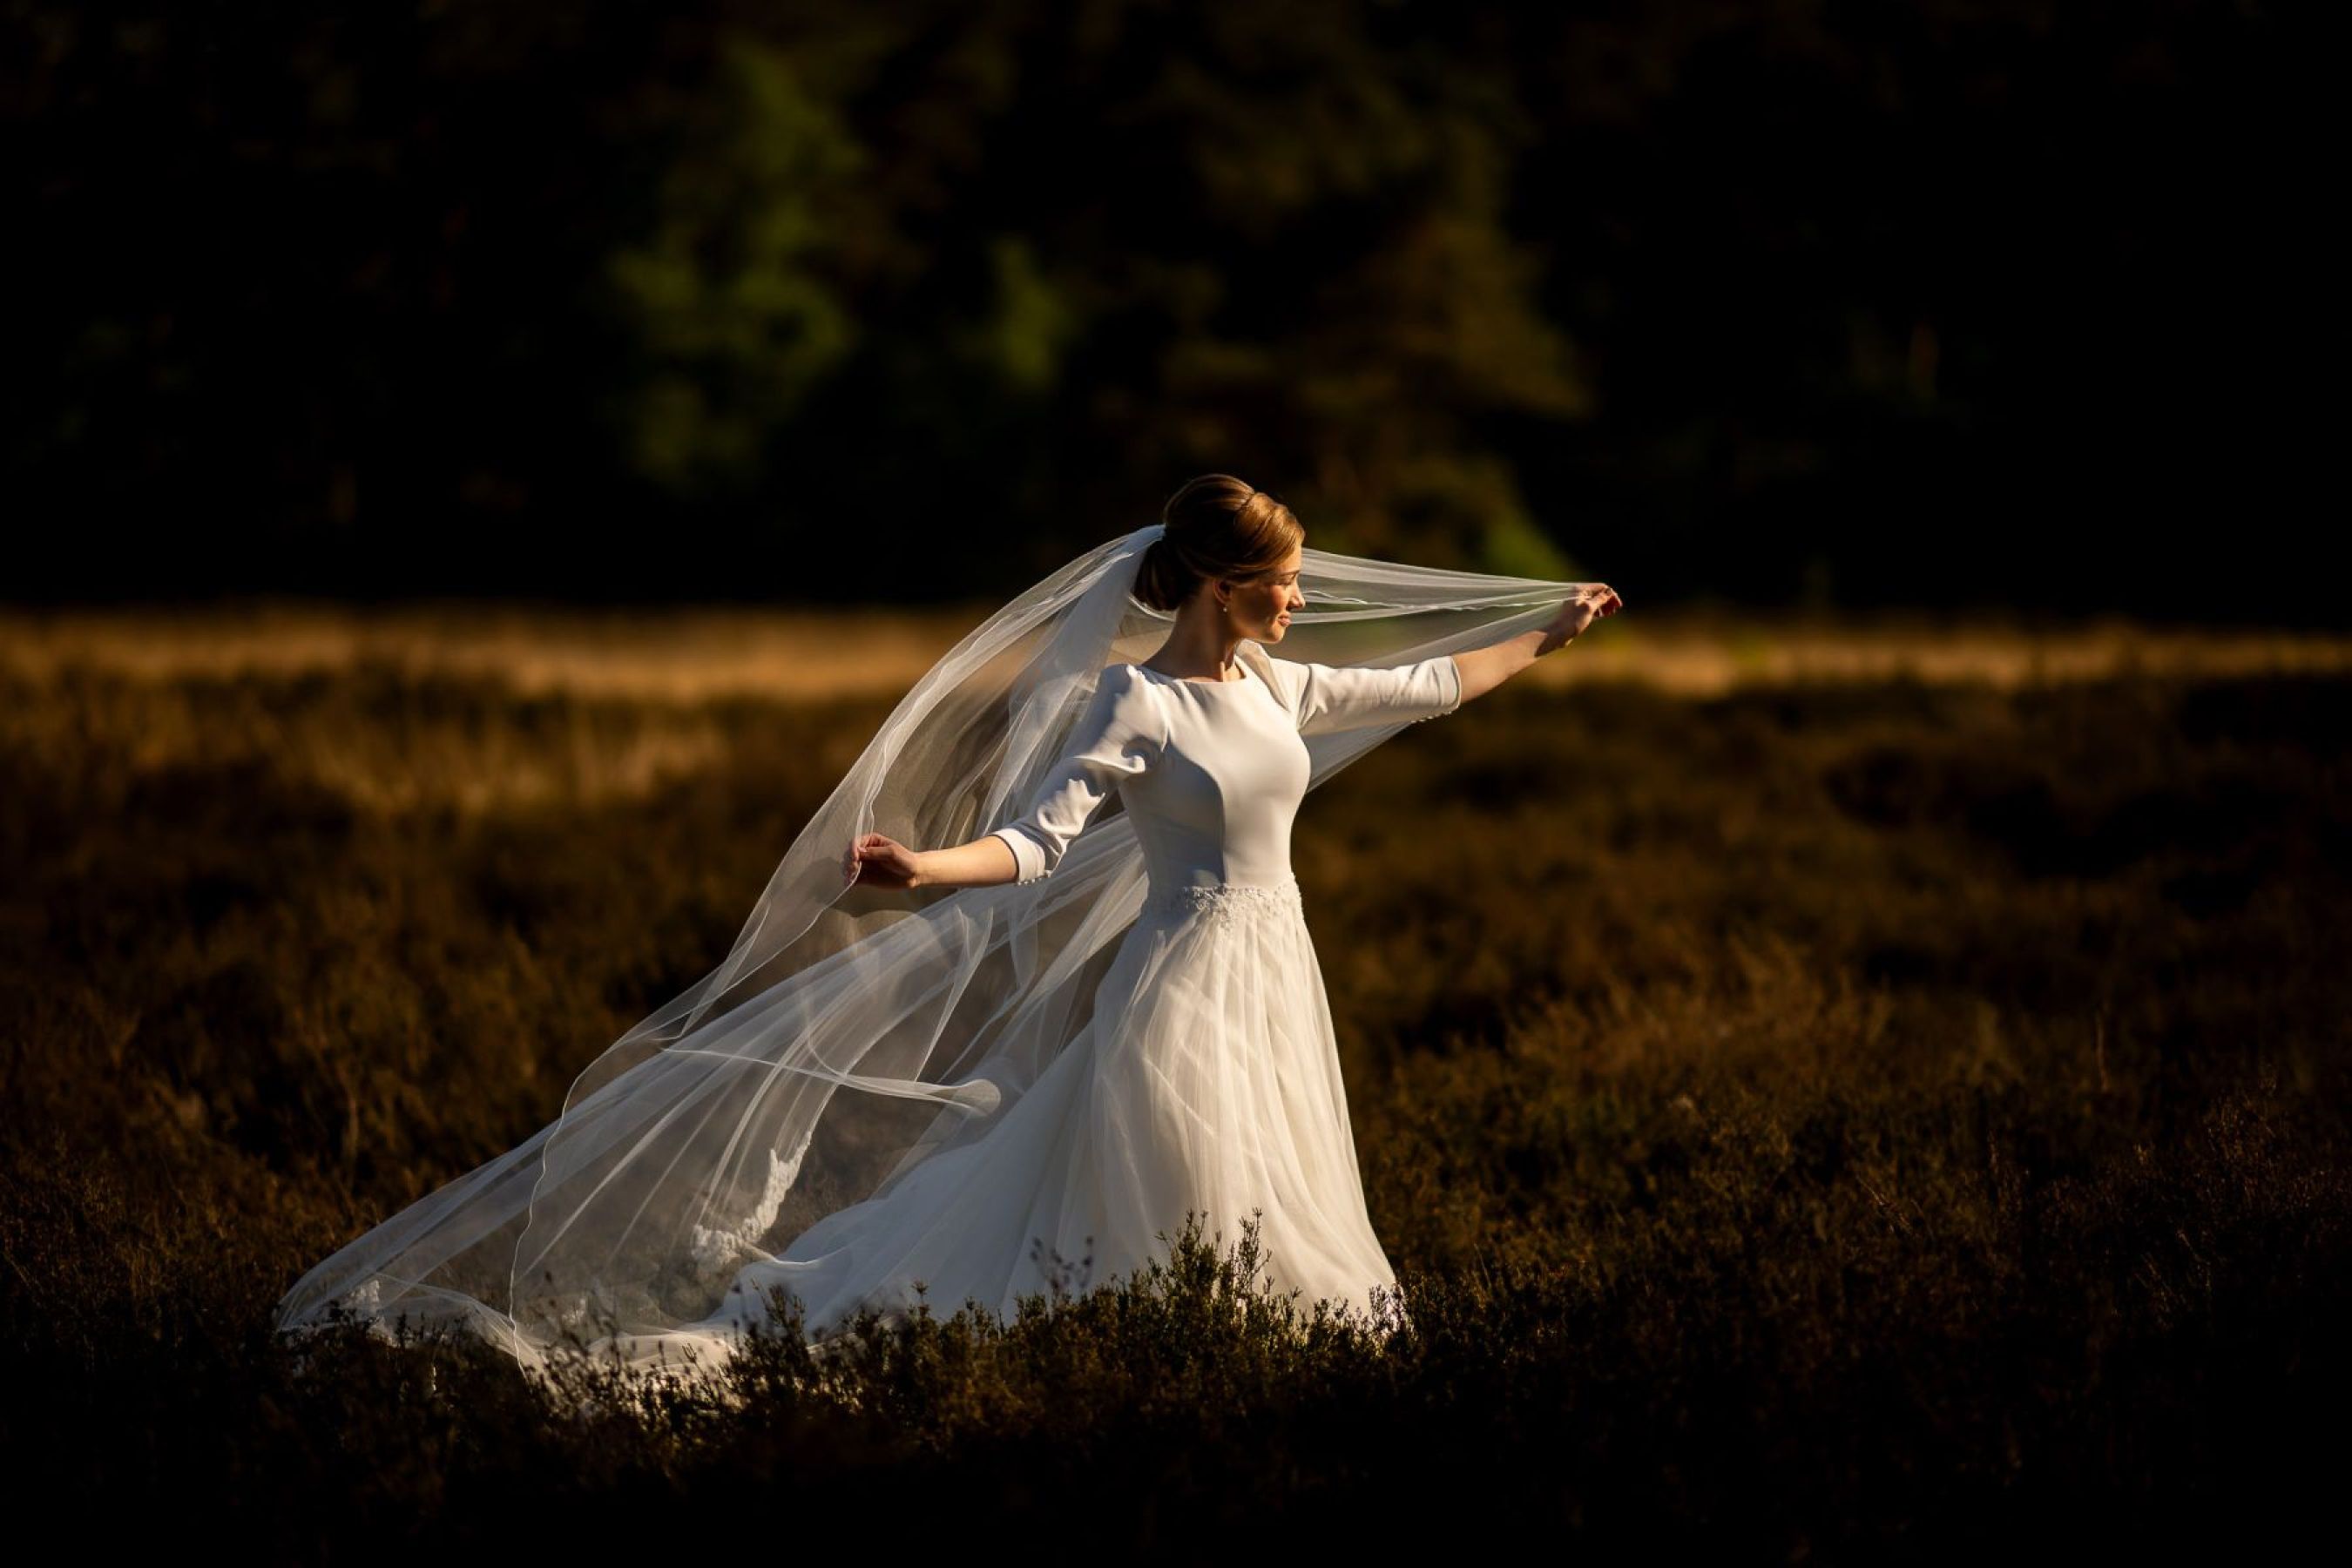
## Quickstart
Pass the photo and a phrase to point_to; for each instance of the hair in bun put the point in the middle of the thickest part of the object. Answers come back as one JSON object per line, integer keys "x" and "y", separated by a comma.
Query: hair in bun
{"x": 1216, "y": 526}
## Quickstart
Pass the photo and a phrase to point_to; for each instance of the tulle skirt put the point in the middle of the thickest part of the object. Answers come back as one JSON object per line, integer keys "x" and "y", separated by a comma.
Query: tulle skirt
{"x": 1206, "y": 1082}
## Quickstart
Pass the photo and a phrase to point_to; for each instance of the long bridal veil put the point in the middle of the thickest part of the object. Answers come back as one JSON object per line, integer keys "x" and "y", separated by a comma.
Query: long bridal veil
{"x": 852, "y": 1033}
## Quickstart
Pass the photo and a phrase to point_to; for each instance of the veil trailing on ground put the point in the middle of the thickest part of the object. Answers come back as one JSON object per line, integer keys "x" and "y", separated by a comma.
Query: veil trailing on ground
{"x": 853, "y": 1032}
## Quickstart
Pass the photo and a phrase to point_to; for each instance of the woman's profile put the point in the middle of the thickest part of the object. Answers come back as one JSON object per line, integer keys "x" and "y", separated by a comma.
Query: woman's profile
{"x": 985, "y": 1035}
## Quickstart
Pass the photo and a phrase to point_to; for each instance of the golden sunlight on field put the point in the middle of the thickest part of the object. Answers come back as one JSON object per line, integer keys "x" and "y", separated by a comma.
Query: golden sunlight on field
{"x": 620, "y": 705}
{"x": 695, "y": 655}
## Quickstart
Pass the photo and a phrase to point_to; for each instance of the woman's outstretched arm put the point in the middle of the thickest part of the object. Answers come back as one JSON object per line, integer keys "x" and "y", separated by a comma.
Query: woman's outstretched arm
{"x": 1116, "y": 739}
{"x": 1484, "y": 669}
{"x": 885, "y": 862}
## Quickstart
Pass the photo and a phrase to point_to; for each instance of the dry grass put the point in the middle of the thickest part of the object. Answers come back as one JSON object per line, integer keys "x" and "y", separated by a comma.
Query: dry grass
{"x": 1875, "y": 1098}
{"x": 694, "y": 655}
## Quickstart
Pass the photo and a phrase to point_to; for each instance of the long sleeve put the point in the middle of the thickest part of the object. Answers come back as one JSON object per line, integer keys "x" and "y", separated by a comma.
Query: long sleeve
{"x": 1117, "y": 738}
{"x": 1328, "y": 696}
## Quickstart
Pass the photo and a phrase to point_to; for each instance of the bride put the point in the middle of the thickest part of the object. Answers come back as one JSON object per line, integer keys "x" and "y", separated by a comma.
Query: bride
{"x": 1014, "y": 1061}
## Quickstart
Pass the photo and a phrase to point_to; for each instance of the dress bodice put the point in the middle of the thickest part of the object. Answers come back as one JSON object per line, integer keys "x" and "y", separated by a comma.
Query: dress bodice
{"x": 1211, "y": 773}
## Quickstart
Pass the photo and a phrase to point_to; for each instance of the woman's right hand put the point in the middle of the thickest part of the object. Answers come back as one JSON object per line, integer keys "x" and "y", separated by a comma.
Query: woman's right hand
{"x": 875, "y": 860}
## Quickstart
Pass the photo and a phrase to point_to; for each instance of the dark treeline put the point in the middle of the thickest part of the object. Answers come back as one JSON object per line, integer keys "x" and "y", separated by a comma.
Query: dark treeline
{"x": 1926, "y": 303}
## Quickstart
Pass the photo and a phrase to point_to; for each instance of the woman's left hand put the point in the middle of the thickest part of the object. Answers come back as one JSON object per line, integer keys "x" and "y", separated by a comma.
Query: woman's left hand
{"x": 1598, "y": 600}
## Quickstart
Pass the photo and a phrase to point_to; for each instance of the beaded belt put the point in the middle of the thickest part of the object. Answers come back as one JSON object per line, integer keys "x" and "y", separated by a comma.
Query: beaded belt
{"x": 1225, "y": 901}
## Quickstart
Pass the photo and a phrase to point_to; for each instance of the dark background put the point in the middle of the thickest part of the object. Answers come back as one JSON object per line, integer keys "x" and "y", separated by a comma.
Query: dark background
{"x": 2000, "y": 305}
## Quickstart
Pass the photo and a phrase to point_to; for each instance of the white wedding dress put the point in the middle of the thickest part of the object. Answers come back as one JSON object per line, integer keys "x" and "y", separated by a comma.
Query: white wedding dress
{"x": 891, "y": 1100}
{"x": 1207, "y": 1078}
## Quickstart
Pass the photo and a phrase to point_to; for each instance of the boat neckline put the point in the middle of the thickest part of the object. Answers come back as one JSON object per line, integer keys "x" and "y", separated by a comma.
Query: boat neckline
{"x": 1247, "y": 675}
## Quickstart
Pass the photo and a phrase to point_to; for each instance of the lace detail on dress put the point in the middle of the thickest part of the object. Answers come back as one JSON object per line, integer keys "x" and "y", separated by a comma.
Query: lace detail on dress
{"x": 1221, "y": 903}
{"x": 719, "y": 1251}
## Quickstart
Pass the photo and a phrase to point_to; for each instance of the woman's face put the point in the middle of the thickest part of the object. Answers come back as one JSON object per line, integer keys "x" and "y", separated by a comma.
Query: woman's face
{"x": 1262, "y": 607}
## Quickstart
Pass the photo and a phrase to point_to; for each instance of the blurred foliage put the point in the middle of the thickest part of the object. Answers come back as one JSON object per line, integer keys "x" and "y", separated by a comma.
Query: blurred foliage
{"x": 1922, "y": 303}
{"x": 728, "y": 300}
{"x": 1855, "y": 1119}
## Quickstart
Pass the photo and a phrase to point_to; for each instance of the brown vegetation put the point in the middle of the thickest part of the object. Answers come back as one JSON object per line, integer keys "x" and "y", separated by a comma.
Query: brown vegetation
{"x": 1876, "y": 1115}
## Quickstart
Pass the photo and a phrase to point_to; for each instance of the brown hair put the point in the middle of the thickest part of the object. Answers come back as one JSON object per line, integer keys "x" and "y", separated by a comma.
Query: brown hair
{"x": 1216, "y": 526}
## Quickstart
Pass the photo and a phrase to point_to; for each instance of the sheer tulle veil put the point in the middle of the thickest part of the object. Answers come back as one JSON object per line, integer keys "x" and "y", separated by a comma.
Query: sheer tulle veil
{"x": 851, "y": 1033}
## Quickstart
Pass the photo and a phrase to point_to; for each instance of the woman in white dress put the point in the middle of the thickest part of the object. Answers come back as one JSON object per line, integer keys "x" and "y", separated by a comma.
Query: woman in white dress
{"x": 1015, "y": 1062}
{"x": 1208, "y": 1078}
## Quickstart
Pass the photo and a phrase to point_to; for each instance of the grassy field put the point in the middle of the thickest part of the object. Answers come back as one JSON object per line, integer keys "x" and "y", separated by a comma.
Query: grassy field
{"x": 1831, "y": 1093}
